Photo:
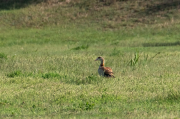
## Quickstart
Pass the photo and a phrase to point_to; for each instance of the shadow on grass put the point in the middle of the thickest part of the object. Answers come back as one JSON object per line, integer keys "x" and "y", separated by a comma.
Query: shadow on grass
{"x": 171, "y": 97}
{"x": 166, "y": 5}
{"x": 17, "y": 4}
{"x": 91, "y": 79}
{"x": 161, "y": 44}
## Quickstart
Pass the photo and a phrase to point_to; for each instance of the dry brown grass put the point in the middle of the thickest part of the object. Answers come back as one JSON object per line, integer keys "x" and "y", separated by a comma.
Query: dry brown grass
{"x": 120, "y": 14}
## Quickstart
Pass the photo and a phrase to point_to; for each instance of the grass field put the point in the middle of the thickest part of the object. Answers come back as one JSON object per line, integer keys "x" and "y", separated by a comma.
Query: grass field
{"x": 49, "y": 71}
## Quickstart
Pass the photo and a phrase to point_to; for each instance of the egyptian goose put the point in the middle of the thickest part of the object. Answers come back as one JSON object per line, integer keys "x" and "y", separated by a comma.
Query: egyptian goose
{"x": 104, "y": 71}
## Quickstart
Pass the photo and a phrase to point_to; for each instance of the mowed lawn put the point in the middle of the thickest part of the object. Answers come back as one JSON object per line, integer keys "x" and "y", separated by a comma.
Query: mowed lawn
{"x": 51, "y": 72}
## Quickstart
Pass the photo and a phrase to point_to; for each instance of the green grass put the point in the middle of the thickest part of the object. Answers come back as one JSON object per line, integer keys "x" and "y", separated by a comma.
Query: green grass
{"x": 57, "y": 78}
{"x": 48, "y": 71}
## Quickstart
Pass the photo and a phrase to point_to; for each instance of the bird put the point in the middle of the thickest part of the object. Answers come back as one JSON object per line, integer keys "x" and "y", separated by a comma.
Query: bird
{"x": 104, "y": 71}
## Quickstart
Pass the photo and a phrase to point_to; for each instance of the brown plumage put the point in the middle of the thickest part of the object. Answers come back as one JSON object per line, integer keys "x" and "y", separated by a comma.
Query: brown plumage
{"x": 104, "y": 71}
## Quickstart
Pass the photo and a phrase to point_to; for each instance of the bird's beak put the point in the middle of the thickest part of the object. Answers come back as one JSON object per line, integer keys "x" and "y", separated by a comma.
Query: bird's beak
{"x": 96, "y": 59}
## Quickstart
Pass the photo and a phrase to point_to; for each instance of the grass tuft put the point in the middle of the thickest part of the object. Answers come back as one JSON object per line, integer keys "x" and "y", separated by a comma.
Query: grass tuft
{"x": 92, "y": 79}
{"x": 173, "y": 95}
{"x": 86, "y": 106}
{"x": 82, "y": 47}
{"x": 14, "y": 74}
{"x": 3, "y": 56}
{"x": 134, "y": 60}
{"x": 115, "y": 52}
{"x": 51, "y": 75}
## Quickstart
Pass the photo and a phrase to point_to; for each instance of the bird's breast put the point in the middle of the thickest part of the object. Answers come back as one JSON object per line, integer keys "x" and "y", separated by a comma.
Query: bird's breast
{"x": 101, "y": 72}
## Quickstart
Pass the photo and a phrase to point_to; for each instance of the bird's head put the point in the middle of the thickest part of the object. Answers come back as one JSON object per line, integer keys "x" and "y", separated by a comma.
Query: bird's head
{"x": 100, "y": 59}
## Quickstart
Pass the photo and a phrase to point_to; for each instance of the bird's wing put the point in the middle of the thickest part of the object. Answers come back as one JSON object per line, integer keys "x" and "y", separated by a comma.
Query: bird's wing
{"x": 107, "y": 70}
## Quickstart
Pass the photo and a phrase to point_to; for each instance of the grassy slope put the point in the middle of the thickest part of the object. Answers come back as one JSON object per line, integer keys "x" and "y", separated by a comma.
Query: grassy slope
{"x": 49, "y": 70}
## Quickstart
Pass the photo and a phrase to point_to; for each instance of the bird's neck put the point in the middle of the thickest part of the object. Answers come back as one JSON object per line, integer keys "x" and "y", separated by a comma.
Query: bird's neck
{"x": 102, "y": 63}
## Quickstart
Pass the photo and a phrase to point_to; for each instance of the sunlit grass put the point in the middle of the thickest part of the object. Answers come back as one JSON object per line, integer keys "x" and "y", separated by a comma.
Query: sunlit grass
{"x": 59, "y": 78}
{"x": 47, "y": 67}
